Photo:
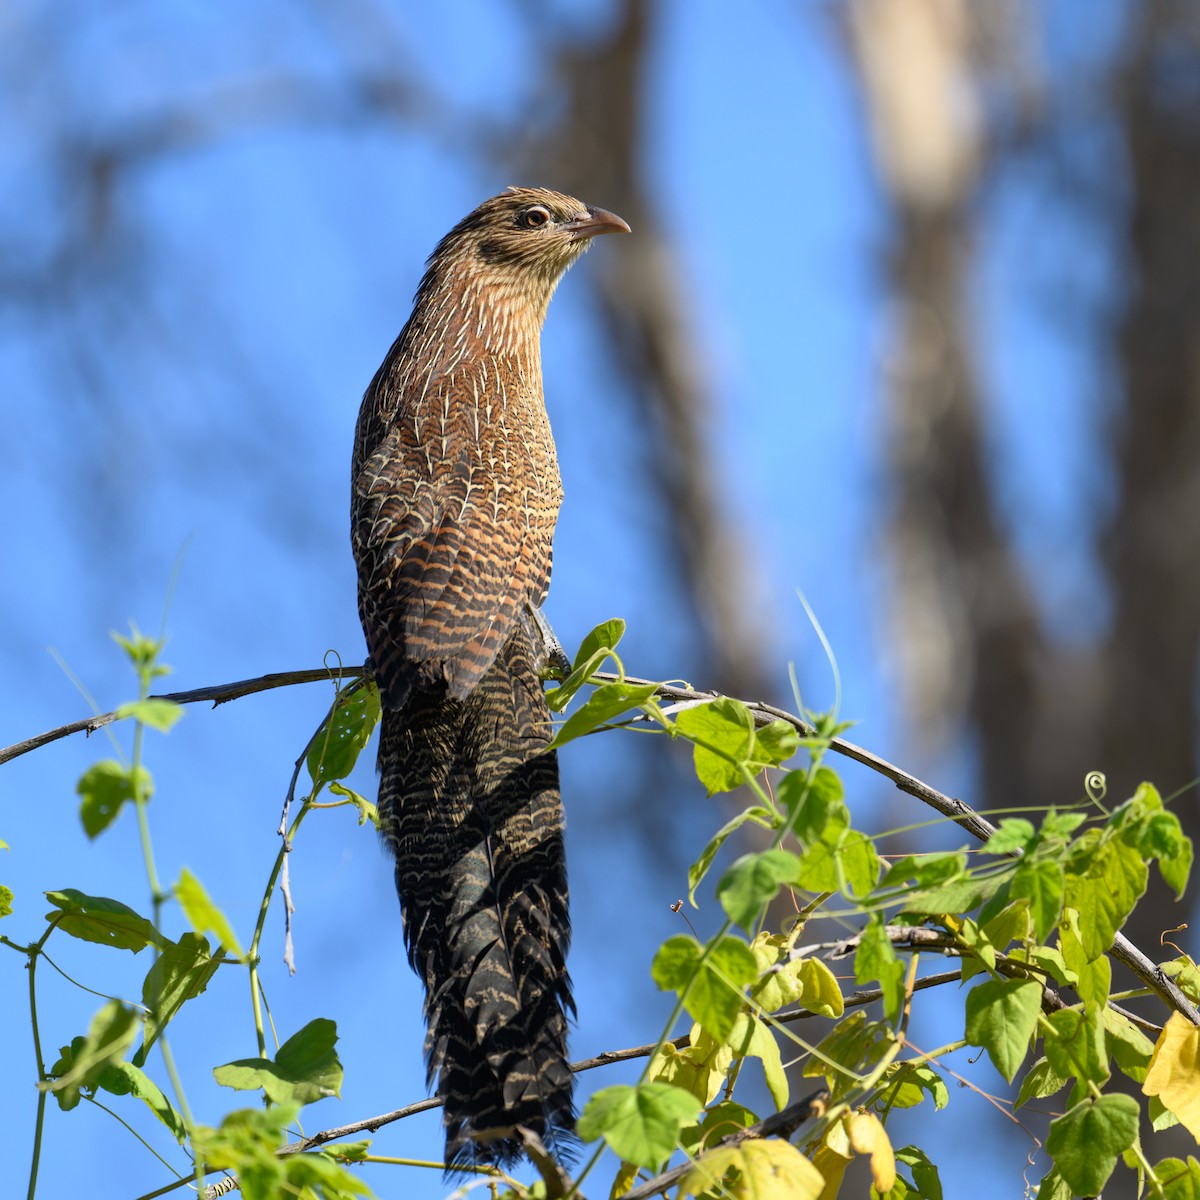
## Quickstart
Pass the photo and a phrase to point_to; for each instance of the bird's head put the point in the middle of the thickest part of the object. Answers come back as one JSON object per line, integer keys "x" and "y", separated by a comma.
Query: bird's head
{"x": 521, "y": 241}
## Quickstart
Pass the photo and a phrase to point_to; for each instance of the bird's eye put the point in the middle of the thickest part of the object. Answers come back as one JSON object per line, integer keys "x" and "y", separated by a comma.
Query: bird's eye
{"x": 533, "y": 218}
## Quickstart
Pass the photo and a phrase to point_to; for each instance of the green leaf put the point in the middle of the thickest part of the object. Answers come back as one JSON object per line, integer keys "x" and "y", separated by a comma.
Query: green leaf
{"x": 1186, "y": 976}
{"x": 248, "y": 1143}
{"x": 154, "y": 711}
{"x": 1176, "y": 870}
{"x": 143, "y": 651}
{"x": 726, "y": 725}
{"x": 344, "y": 733}
{"x": 1049, "y": 960}
{"x": 924, "y": 1173}
{"x": 124, "y": 1079}
{"x": 1093, "y": 979}
{"x": 1159, "y": 834}
{"x": 909, "y": 1082}
{"x": 319, "y": 1174}
{"x": 860, "y": 863}
{"x": 775, "y": 743}
{"x": 925, "y": 870}
{"x": 351, "y": 1151}
{"x": 203, "y": 915}
{"x": 698, "y": 869}
{"x": 960, "y": 896}
{"x": 1162, "y": 837}
{"x": 996, "y": 902}
{"x": 180, "y": 972}
{"x": 983, "y": 953}
{"x": 1180, "y": 1180}
{"x": 874, "y": 959}
{"x": 1041, "y": 882}
{"x": 109, "y": 1035}
{"x": 1126, "y": 1044}
{"x": 367, "y": 811}
{"x": 821, "y": 821}
{"x": 104, "y": 921}
{"x": 1105, "y": 895}
{"x": 722, "y": 1120}
{"x": 67, "y": 1097}
{"x": 103, "y": 788}
{"x": 640, "y": 1124}
{"x": 594, "y": 649}
{"x": 753, "y": 881}
{"x": 601, "y": 640}
{"x": 306, "y": 1068}
{"x": 1001, "y": 1017}
{"x": 6, "y": 901}
{"x": 1054, "y": 1187}
{"x": 709, "y": 982}
{"x": 1087, "y": 1141}
{"x": 1040, "y": 1081}
{"x": 814, "y": 803}
{"x": 1013, "y": 834}
{"x": 752, "y": 1038}
{"x": 609, "y": 700}
{"x": 1077, "y": 1045}
{"x": 854, "y": 1045}
{"x": 1011, "y": 924}
{"x": 1160, "y": 1116}
{"x": 722, "y": 734}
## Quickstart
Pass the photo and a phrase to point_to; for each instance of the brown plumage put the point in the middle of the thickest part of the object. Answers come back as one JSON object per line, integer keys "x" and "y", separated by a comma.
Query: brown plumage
{"x": 455, "y": 495}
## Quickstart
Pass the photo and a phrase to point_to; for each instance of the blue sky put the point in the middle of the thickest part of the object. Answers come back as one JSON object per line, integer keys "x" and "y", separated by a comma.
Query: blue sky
{"x": 205, "y": 415}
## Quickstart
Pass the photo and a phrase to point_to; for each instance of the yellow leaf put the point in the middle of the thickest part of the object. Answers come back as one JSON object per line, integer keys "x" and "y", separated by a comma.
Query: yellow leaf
{"x": 626, "y": 1178}
{"x": 838, "y": 1140}
{"x": 867, "y": 1136}
{"x": 1174, "y": 1072}
{"x": 699, "y": 1068}
{"x": 776, "y": 984}
{"x": 819, "y": 991}
{"x": 681, "y": 1068}
{"x": 766, "y": 1169}
{"x": 832, "y": 1166}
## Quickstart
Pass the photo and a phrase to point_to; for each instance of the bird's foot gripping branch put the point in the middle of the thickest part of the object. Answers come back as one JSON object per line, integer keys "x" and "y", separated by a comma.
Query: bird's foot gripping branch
{"x": 1024, "y": 929}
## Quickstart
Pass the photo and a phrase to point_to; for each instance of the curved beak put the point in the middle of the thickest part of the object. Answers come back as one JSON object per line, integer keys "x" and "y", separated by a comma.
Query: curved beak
{"x": 595, "y": 221}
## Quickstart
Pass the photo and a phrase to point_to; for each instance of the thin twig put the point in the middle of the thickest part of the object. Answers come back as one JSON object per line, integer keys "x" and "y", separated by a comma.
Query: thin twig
{"x": 219, "y": 694}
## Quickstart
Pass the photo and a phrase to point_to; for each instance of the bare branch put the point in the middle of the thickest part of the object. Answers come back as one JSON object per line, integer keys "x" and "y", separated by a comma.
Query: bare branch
{"x": 221, "y": 693}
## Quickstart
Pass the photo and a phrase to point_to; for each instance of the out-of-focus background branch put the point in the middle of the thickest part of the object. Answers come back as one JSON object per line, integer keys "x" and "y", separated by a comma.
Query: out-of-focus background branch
{"x": 909, "y": 322}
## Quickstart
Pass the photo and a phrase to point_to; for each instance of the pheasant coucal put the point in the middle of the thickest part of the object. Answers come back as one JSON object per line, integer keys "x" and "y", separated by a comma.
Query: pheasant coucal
{"x": 455, "y": 494}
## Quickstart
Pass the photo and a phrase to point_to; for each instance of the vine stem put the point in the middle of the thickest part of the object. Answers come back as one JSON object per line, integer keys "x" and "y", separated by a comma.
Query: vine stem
{"x": 141, "y": 803}
{"x": 34, "y": 953}
{"x": 252, "y": 957}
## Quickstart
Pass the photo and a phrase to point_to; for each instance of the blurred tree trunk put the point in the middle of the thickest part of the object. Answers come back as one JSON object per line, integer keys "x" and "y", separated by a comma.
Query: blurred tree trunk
{"x": 965, "y": 625}
{"x": 1152, "y": 544}
{"x": 962, "y": 625}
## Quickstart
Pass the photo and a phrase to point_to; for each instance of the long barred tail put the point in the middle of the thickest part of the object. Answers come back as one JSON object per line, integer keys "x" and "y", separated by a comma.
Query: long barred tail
{"x": 470, "y": 804}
